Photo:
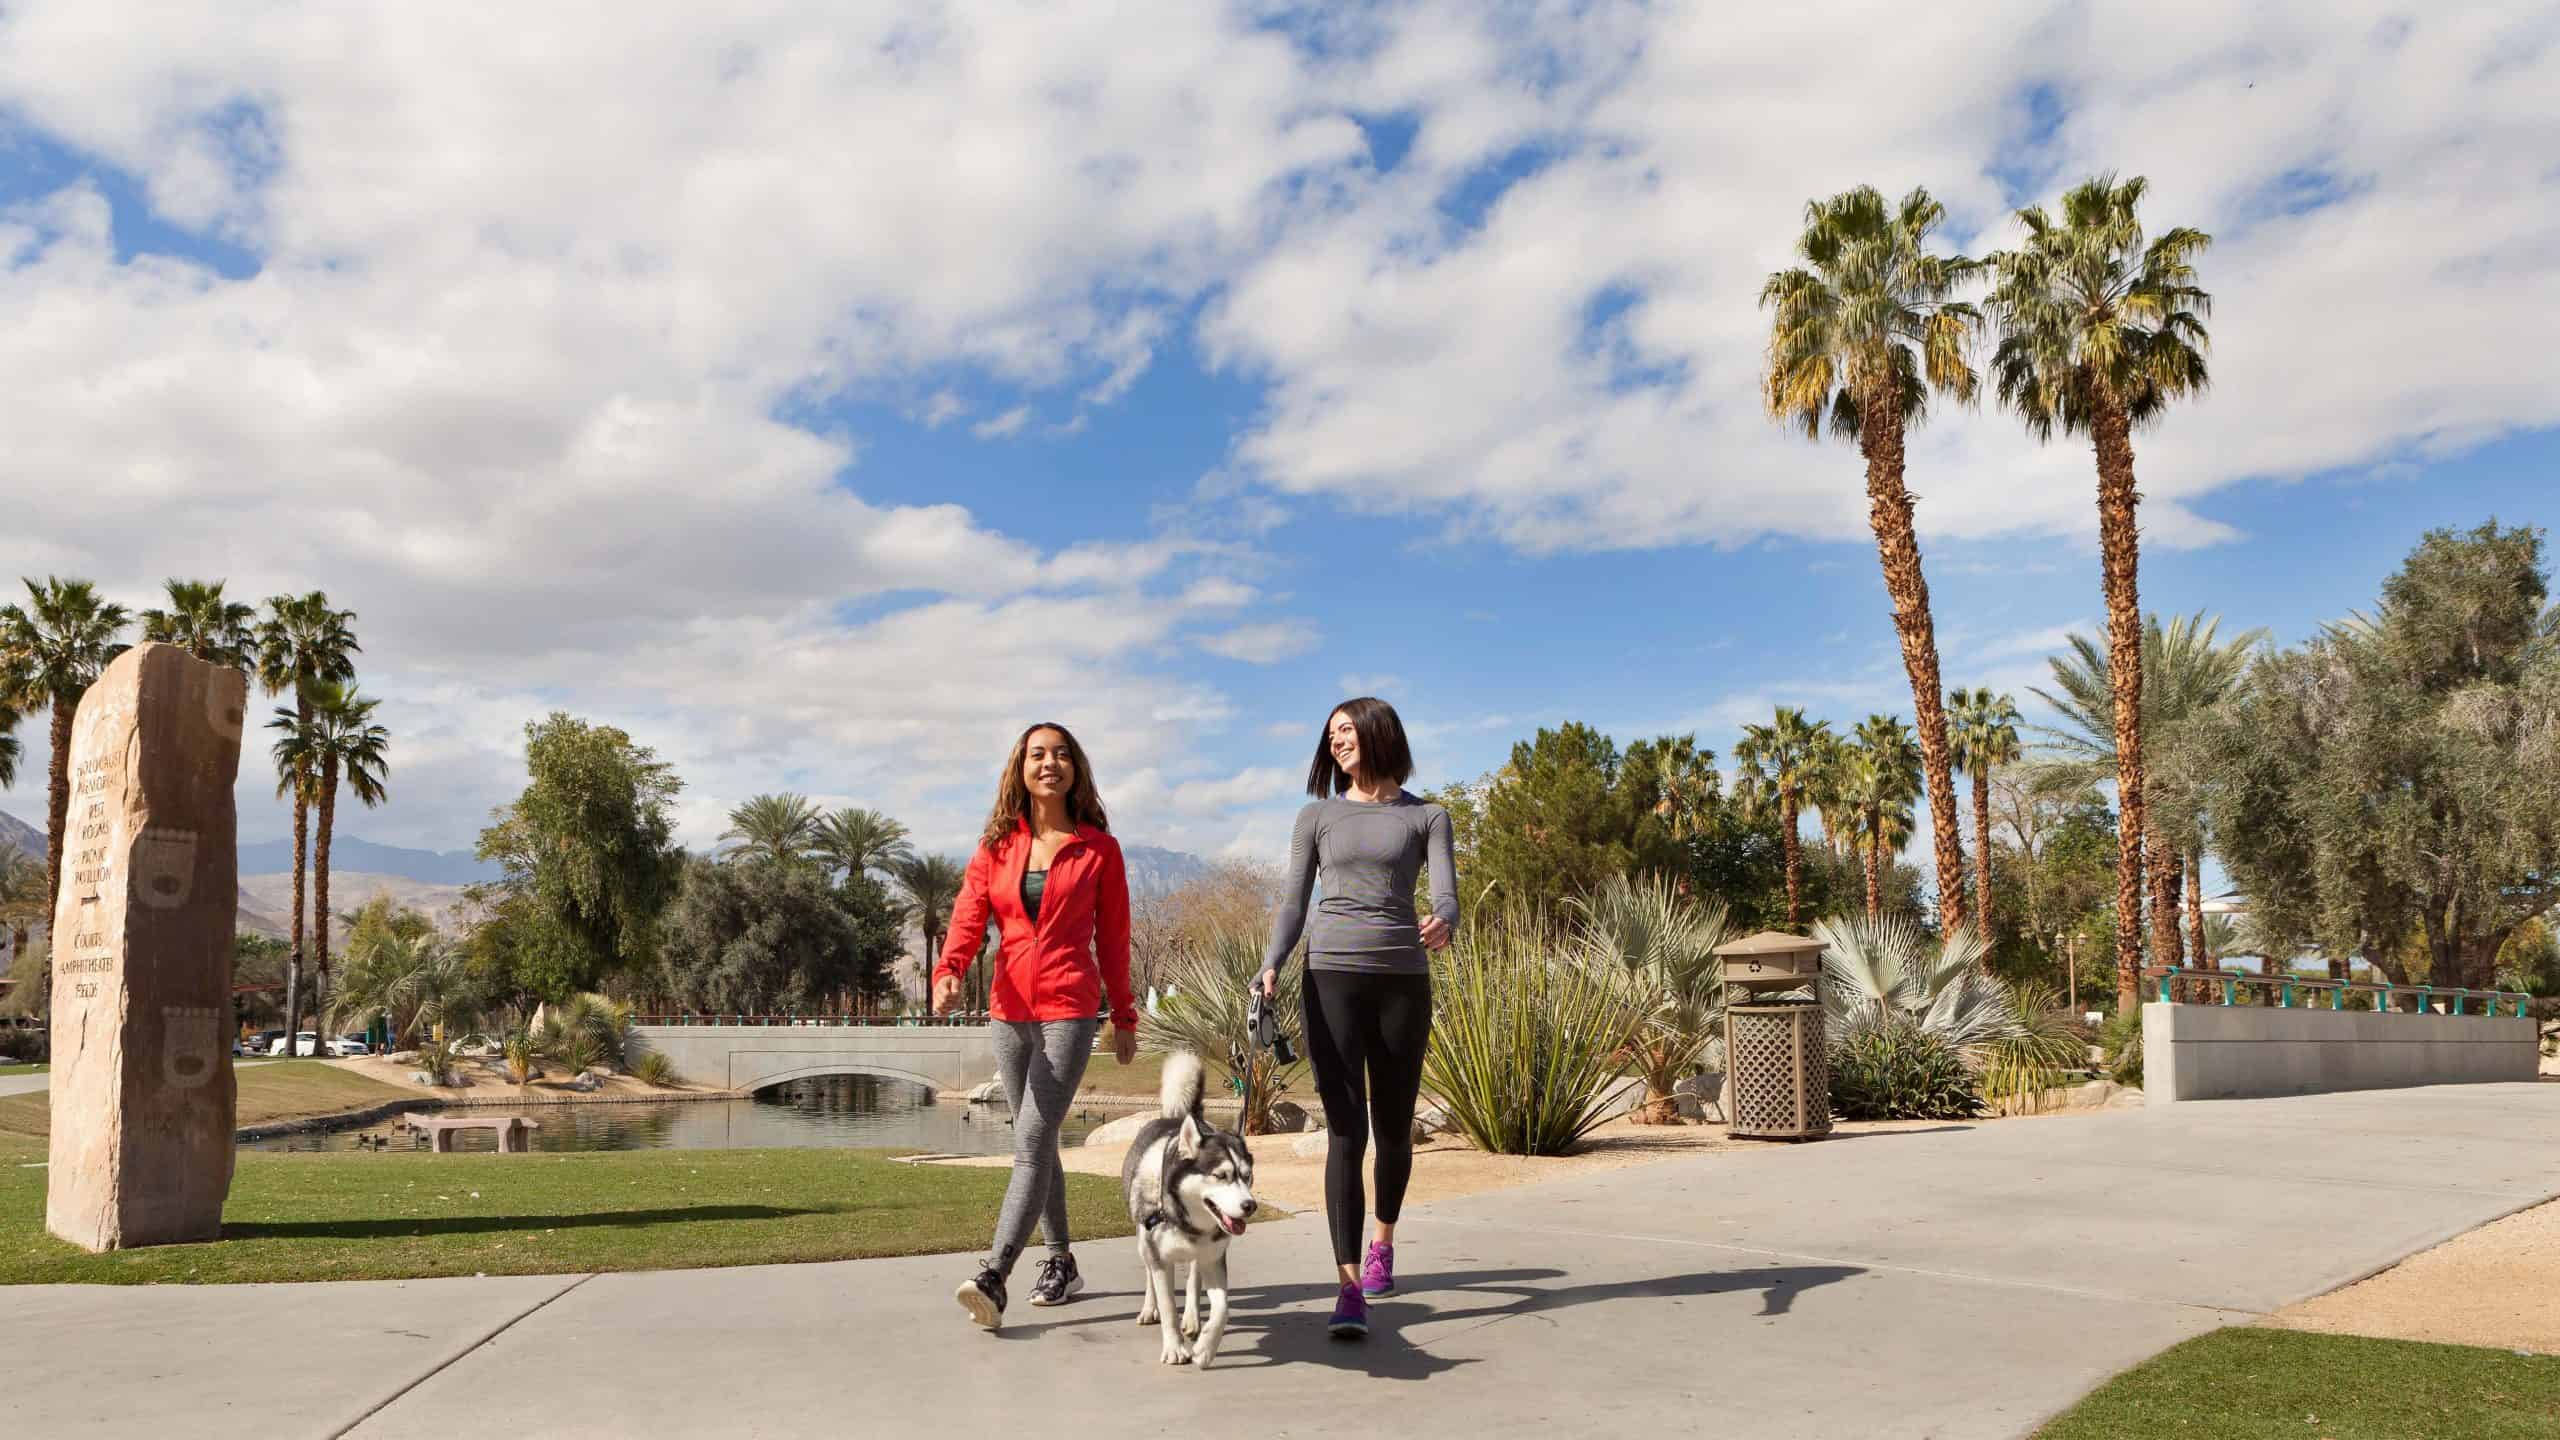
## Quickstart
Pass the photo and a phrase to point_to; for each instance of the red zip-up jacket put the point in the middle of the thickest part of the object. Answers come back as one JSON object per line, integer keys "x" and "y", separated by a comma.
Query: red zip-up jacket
{"x": 1058, "y": 968}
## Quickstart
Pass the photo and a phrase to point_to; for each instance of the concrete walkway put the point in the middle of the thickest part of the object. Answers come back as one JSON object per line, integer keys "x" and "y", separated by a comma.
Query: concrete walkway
{"x": 1966, "y": 1282}
{"x": 26, "y": 1084}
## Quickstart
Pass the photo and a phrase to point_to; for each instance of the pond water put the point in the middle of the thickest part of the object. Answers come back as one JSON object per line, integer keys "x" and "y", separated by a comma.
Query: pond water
{"x": 832, "y": 1110}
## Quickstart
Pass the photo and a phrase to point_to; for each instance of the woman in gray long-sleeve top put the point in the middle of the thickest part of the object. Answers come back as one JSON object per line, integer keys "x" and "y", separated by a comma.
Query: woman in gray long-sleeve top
{"x": 1368, "y": 991}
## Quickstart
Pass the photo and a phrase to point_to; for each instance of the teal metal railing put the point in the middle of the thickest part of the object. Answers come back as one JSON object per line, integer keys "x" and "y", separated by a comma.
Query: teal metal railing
{"x": 2286, "y": 989}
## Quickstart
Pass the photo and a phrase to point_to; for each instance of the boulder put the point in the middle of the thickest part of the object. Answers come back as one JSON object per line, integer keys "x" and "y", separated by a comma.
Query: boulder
{"x": 988, "y": 1093}
{"x": 1431, "y": 1119}
{"x": 1310, "y": 1146}
{"x": 1289, "y": 1118}
{"x": 1119, "y": 1132}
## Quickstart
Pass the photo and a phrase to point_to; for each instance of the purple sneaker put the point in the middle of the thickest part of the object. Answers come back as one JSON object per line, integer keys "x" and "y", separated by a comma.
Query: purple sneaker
{"x": 1378, "y": 1272}
{"x": 1350, "y": 1315}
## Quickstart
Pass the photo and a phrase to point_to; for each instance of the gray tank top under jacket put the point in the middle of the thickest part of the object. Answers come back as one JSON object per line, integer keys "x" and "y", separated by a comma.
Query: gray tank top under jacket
{"x": 1366, "y": 857}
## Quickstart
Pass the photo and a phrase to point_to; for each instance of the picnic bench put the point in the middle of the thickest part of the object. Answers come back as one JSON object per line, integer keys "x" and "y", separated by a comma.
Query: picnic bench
{"x": 515, "y": 1133}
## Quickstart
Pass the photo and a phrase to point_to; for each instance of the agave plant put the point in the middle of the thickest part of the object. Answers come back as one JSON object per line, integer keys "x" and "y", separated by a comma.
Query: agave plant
{"x": 1202, "y": 1010}
{"x": 1660, "y": 946}
{"x": 1525, "y": 1037}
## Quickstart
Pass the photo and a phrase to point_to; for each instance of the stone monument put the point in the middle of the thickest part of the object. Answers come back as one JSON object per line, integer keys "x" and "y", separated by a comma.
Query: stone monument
{"x": 143, "y": 1094}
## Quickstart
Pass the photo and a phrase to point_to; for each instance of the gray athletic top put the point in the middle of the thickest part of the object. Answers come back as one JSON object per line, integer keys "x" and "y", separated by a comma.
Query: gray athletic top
{"x": 1367, "y": 857}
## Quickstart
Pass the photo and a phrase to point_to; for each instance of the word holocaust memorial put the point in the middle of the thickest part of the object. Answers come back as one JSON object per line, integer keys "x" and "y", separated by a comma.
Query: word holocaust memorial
{"x": 143, "y": 1093}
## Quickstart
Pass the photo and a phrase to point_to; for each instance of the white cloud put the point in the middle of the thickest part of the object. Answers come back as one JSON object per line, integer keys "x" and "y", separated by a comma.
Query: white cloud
{"x": 1009, "y": 423}
{"x": 1264, "y": 643}
{"x": 1372, "y": 684}
{"x": 942, "y": 409}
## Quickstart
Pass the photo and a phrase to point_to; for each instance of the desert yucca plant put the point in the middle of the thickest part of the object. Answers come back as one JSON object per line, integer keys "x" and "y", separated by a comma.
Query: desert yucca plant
{"x": 654, "y": 1068}
{"x": 1525, "y": 1037}
{"x": 524, "y": 1057}
{"x": 1890, "y": 1066}
{"x": 1203, "y": 1012}
{"x": 1660, "y": 947}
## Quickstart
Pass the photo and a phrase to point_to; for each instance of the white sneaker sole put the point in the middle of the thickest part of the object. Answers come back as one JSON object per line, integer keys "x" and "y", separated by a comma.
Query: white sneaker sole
{"x": 1075, "y": 1287}
{"x": 980, "y": 1308}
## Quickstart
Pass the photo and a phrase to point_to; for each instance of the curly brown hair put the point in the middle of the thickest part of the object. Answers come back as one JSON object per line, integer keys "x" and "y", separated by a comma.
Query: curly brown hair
{"x": 1013, "y": 797}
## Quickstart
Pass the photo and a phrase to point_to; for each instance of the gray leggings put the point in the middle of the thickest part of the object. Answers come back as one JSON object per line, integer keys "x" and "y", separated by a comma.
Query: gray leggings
{"x": 1041, "y": 1063}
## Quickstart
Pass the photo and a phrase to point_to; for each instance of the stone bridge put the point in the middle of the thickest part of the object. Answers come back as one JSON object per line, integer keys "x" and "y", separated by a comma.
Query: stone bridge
{"x": 749, "y": 1053}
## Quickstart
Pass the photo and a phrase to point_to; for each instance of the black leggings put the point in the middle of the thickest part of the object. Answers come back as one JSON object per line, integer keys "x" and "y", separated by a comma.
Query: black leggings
{"x": 1365, "y": 1036}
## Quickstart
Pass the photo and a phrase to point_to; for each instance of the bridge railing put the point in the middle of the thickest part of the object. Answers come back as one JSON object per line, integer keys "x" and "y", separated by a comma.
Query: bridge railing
{"x": 956, "y": 1020}
{"x": 2424, "y": 999}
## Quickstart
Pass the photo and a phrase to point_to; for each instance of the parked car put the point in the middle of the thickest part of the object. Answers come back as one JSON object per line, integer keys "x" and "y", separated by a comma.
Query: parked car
{"x": 262, "y": 1043}
{"x": 343, "y": 1046}
{"x": 306, "y": 1043}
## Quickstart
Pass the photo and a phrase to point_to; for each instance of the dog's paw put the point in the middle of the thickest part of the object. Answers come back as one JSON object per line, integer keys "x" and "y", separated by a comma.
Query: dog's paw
{"x": 1146, "y": 1317}
{"x": 1201, "y": 1355}
{"x": 1190, "y": 1327}
{"x": 1175, "y": 1355}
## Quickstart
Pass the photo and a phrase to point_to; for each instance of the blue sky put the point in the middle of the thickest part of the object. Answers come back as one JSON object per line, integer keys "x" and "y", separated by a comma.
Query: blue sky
{"x": 825, "y": 397}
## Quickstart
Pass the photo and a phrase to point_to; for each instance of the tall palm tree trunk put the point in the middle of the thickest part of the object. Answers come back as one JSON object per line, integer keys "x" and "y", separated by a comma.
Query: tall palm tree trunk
{"x": 1874, "y": 859}
{"x": 1898, "y": 548}
{"x": 2195, "y": 913}
{"x": 2119, "y": 545}
{"x": 2168, "y": 875}
{"x": 320, "y": 885}
{"x": 58, "y": 820}
{"x": 293, "y": 967}
{"x": 1982, "y": 860}
{"x": 1794, "y": 855}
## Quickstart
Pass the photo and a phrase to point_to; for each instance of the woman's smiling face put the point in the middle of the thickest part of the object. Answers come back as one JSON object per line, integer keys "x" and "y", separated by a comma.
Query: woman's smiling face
{"x": 1344, "y": 738}
{"x": 1048, "y": 770}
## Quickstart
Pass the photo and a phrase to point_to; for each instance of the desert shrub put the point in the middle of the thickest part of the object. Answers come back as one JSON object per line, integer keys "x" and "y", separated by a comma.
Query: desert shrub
{"x": 1204, "y": 1013}
{"x": 1659, "y": 945}
{"x": 1525, "y": 1037}
{"x": 654, "y": 1068}
{"x": 21, "y": 1046}
{"x": 585, "y": 1031}
{"x": 1891, "y": 1067}
{"x": 2121, "y": 1042}
{"x": 524, "y": 1057}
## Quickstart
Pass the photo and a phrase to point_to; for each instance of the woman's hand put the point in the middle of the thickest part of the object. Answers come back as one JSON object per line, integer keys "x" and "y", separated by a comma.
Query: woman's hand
{"x": 946, "y": 993}
{"x": 1124, "y": 1044}
{"x": 1435, "y": 933}
{"x": 1270, "y": 982}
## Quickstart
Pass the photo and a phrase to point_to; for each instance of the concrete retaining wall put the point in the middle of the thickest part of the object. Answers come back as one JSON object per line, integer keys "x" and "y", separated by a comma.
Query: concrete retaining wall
{"x": 2213, "y": 1052}
{"x": 747, "y": 1057}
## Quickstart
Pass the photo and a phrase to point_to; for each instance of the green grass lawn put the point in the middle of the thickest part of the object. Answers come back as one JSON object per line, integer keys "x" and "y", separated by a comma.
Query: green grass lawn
{"x": 17, "y": 1069}
{"x": 411, "y": 1213}
{"x": 281, "y": 1090}
{"x": 2252, "y": 1384}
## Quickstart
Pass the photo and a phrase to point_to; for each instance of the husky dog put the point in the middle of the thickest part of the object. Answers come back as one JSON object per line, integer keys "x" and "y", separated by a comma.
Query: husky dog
{"x": 1190, "y": 1188}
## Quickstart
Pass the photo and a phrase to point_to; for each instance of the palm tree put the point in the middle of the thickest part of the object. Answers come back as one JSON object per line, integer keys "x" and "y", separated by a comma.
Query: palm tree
{"x": 783, "y": 829}
{"x": 1883, "y": 777}
{"x": 206, "y": 625}
{"x": 344, "y": 741}
{"x": 301, "y": 643}
{"x": 1986, "y": 737}
{"x": 24, "y": 902}
{"x": 51, "y": 651}
{"x": 2099, "y": 332}
{"x": 2187, "y": 670}
{"x": 1779, "y": 762}
{"x": 1686, "y": 786}
{"x": 932, "y": 885}
{"x": 857, "y": 841}
{"x": 8, "y": 742}
{"x": 1826, "y": 789}
{"x": 1660, "y": 945}
{"x": 417, "y": 980}
{"x": 1864, "y": 332}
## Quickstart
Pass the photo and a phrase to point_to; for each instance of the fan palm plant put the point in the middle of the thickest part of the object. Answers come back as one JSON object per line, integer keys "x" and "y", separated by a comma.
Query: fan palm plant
{"x": 8, "y": 742}
{"x": 206, "y": 624}
{"x": 420, "y": 982}
{"x": 1661, "y": 946}
{"x": 51, "y": 650}
{"x": 301, "y": 643}
{"x": 2100, "y": 332}
{"x": 1780, "y": 761}
{"x": 777, "y": 829}
{"x": 344, "y": 744}
{"x": 1880, "y": 970}
{"x": 585, "y": 1031}
{"x": 1202, "y": 1010}
{"x": 857, "y": 841}
{"x": 1985, "y": 727}
{"x": 1864, "y": 332}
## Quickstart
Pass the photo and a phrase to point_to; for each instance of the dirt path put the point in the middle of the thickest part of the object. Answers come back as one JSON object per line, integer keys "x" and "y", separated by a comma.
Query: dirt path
{"x": 2495, "y": 1286}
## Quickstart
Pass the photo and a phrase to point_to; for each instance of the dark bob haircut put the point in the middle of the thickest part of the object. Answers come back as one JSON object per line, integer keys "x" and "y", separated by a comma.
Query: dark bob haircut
{"x": 1383, "y": 750}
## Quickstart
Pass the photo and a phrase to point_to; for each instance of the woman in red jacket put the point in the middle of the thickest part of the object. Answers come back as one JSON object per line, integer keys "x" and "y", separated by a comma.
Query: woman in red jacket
{"x": 1050, "y": 874}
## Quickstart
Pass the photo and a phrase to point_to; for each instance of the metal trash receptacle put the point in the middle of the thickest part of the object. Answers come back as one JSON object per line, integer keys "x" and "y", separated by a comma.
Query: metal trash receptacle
{"x": 1778, "y": 1072}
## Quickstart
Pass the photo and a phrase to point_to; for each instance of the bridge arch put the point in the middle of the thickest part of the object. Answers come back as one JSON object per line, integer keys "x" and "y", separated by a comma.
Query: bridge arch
{"x": 846, "y": 1066}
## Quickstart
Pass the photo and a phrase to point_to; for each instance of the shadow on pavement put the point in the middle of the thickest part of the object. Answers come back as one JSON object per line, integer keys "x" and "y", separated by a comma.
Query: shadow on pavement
{"x": 1285, "y": 1324}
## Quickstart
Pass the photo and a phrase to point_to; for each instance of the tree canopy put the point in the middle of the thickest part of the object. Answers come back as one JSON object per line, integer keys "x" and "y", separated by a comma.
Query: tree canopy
{"x": 770, "y": 939}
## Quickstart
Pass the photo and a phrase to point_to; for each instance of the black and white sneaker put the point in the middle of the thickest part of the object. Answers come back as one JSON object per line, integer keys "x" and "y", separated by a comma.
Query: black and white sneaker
{"x": 983, "y": 1298}
{"x": 1059, "y": 1281}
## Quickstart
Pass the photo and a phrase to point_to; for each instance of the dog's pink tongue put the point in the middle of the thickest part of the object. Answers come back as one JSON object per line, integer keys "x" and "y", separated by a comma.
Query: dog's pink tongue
{"x": 1234, "y": 1225}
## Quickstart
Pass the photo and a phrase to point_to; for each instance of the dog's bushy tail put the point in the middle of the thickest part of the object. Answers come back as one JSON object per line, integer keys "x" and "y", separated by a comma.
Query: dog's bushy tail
{"x": 1185, "y": 1085}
